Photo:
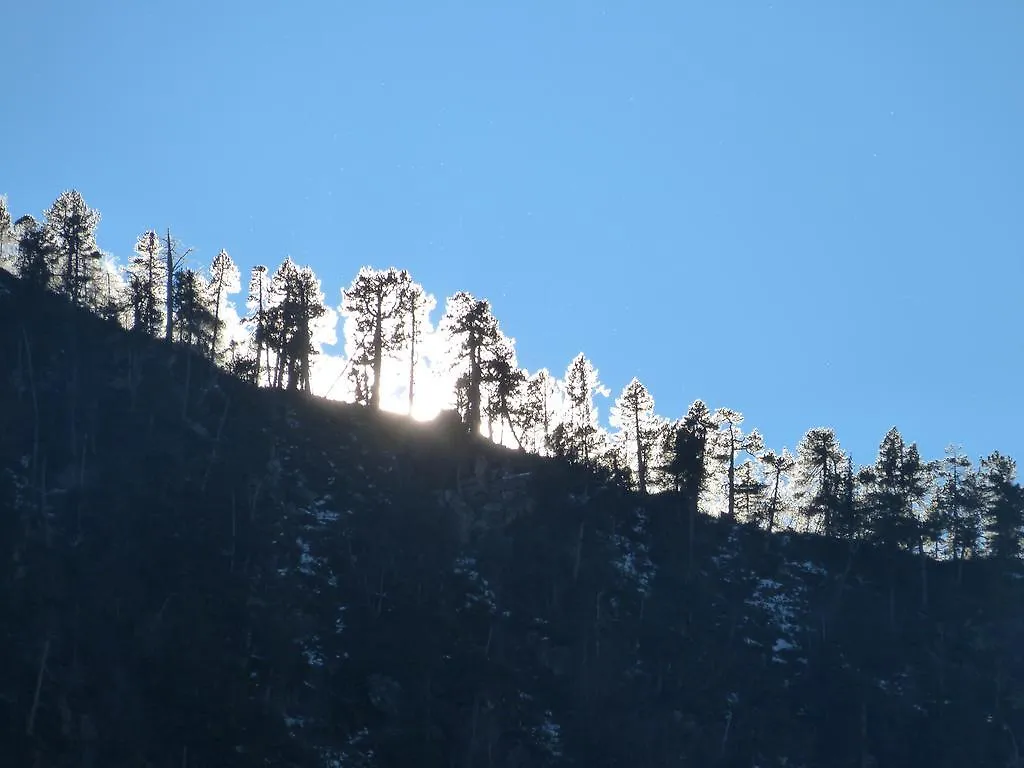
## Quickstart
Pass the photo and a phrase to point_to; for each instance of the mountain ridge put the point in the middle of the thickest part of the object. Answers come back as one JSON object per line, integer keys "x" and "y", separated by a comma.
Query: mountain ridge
{"x": 200, "y": 572}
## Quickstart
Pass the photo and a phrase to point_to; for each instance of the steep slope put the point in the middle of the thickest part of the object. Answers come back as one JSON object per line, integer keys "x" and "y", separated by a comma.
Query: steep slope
{"x": 198, "y": 573}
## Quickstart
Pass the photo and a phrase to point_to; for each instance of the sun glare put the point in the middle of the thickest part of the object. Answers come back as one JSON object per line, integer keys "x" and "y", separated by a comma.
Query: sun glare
{"x": 433, "y": 387}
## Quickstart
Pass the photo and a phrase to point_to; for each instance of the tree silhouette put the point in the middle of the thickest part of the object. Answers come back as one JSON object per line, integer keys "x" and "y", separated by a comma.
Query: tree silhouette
{"x": 295, "y": 302}
{"x": 954, "y": 514}
{"x": 473, "y": 331}
{"x": 847, "y": 517}
{"x": 173, "y": 258}
{"x": 894, "y": 486}
{"x": 258, "y": 321}
{"x": 729, "y": 441}
{"x": 778, "y": 464}
{"x": 539, "y": 410}
{"x": 71, "y": 228}
{"x": 35, "y": 260}
{"x": 504, "y": 381}
{"x": 224, "y": 280}
{"x": 819, "y": 466}
{"x": 194, "y": 322}
{"x": 633, "y": 414}
{"x": 893, "y": 490}
{"x": 688, "y": 466}
{"x": 417, "y": 305}
{"x": 146, "y": 284}
{"x": 749, "y": 490}
{"x": 1004, "y": 507}
{"x": 377, "y": 301}
{"x": 240, "y": 361}
{"x": 578, "y": 432}
{"x": 892, "y": 502}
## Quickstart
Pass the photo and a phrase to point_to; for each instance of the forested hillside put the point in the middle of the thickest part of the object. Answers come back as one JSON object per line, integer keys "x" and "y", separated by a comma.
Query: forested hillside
{"x": 207, "y": 564}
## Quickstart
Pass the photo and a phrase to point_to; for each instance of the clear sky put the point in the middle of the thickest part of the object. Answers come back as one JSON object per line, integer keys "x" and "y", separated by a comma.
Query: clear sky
{"x": 808, "y": 211}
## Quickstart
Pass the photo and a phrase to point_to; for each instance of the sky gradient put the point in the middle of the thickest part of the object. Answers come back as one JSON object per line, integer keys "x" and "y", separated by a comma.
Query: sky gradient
{"x": 810, "y": 211}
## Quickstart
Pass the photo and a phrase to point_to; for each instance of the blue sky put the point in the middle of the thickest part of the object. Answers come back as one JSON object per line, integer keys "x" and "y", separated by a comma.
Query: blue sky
{"x": 809, "y": 211}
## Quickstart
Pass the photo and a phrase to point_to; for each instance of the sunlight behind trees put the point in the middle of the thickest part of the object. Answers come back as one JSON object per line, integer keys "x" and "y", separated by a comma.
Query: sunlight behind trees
{"x": 395, "y": 353}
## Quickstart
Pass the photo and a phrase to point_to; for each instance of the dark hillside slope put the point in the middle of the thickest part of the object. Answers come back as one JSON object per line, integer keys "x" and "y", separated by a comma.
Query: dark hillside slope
{"x": 194, "y": 572}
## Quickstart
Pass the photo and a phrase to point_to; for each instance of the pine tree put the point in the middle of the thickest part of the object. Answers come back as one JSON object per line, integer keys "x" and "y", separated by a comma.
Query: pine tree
{"x": 377, "y": 301}
{"x": 689, "y": 462}
{"x": 967, "y": 526}
{"x": 847, "y": 516}
{"x": 778, "y": 464}
{"x": 819, "y": 468}
{"x": 295, "y": 303}
{"x": 615, "y": 459}
{"x": 729, "y": 442}
{"x": 895, "y": 485}
{"x": 308, "y": 307}
{"x": 147, "y": 284}
{"x": 240, "y": 361}
{"x": 504, "y": 381}
{"x": 36, "y": 257}
{"x": 193, "y": 320}
{"x": 633, "y": 415}
{"x": 71, "y": 228}
{"x": 114, "y": 301}
{"x": 894, "y": 488}
{"x": 945, "y": 505}
{"x": 276, "y": 338}
{"x": 539, "y": 410}
{"x": 224, "y": 280}
{"x": 578, "y": 434}
{"x": 475, "y": 336}
{"x": 257, "y": 320}
{"x": 1003, "y": 503}
{"x": 305, "y": 309}
{"x": 416, "y": 305}
{"x": 749, "y": 491}
{"x": 171, "y": 262}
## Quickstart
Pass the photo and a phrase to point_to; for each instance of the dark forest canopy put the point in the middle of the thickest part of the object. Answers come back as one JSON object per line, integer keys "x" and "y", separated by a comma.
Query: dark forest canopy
{"x": 203, "y": 564}
{"x": 945, "y": 507}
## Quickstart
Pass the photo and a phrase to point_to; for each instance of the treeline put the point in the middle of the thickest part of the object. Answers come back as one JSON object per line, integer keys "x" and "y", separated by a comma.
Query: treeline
{"x": 950, "y": 508}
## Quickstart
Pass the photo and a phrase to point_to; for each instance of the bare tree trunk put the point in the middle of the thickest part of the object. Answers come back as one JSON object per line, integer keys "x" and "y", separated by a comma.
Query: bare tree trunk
{"x": 35, "y": 400}
{"x": 30, "y": 727}
{"x": 641, "y": 462}
{"x": 725, "y": 733}
{"x": 865, "y": 759}
{"x": 216, "y": 319}
{"x": 378, "y": 352}
{"x": 511, "y": 426}
{"x": 266, "y": 355}
{"x": 689, "y": 544}
{"x": 475, "y": 376}
{"x": 412, "y": 348}
{"x": 775, "y": 501}
{"x": 579, "y": 555}
{"x": 261, "y": 327}
{"x": 924, "y": 576}
{"x": 732, "y": 475}
{"x": 169, "y": 323}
